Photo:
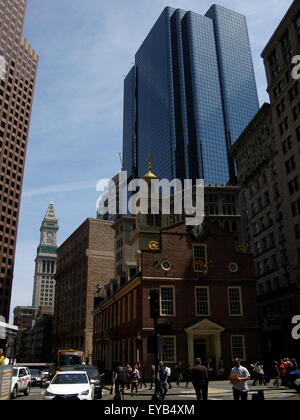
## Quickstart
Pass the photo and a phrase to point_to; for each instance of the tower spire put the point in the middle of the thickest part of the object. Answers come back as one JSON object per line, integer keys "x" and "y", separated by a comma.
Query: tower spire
{"x": 150, "y": 174}
{"x": 50, "y": 213}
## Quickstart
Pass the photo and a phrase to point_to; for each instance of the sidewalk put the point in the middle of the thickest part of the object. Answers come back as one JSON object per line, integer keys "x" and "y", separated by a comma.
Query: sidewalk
{"x": 216, "y": 387}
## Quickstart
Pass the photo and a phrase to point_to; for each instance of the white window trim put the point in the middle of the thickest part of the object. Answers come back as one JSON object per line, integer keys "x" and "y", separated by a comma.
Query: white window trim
{"x": 241, "y": 302}
{"x": 206, "y": 259}
{"x": 174, "y": 302}
{"x": 208, "y": 300}
{"x": 244, "y": 346}
{"x": 175, "y": 348}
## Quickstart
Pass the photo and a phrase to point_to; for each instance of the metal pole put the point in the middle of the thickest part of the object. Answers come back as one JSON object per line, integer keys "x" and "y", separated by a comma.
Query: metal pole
{"x": 156, "y": 341}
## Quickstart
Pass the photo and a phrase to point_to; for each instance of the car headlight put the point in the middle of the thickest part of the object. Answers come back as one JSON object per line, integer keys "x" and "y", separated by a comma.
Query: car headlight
{"x": 85, "y": 392}
{"x": 49, "y": 394}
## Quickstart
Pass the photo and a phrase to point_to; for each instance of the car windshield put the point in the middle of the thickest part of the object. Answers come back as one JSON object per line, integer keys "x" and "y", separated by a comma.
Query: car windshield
{"x": 92, "y": 372}
{"x": 70, "y": 379}
{"x": 15, "y": 372}
{"x": 35, "y": 372}
{"x": 69, "y": 360}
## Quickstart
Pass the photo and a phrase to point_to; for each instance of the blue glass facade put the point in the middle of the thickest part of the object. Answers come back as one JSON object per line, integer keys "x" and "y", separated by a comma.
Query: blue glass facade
{"x": 130, "y": 161}
{"x": 194, "y": 93}
{"x": 236, "y": 69}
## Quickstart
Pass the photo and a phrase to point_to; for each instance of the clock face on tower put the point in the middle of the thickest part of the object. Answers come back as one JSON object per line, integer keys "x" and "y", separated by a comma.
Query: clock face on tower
{"x": 49, "y": 237}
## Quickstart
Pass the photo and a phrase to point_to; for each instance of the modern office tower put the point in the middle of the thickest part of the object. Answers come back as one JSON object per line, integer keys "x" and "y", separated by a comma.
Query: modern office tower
{"x": 189, "y": 96}
{"x": 17, "y": 81}
{"x": 267, "y": 156}
{"x": 46, "y": 262}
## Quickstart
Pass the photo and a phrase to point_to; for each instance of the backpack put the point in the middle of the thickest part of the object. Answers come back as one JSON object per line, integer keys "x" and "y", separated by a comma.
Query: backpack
{"x": 259, "y": 396}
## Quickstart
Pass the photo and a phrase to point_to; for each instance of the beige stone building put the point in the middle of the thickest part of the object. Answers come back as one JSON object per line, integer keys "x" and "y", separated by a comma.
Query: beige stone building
{"x": 85, "y": 263}
{"x": 18, "y": 66}
{"x": 267, "y": 156}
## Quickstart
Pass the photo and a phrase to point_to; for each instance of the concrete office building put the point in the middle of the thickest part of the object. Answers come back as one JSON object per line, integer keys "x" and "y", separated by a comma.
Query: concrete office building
{"x": 267, "y": 156}
{"x": 17, "y": 81}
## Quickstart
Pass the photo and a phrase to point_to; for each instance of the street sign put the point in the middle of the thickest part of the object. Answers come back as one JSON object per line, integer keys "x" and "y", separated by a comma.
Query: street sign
{"x": 5, "y": 382}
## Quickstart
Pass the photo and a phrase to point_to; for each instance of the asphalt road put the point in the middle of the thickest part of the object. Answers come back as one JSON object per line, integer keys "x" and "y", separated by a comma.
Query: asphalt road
{"x": 220, "y": 390}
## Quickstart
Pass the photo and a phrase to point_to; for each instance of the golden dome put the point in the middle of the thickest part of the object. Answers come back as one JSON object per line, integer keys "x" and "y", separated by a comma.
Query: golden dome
{"x": 150, "y": 175}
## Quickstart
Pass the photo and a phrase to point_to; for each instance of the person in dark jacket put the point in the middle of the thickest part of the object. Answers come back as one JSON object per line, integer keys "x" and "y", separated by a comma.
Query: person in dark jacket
{"x": 200, "y": 380}
{"x": 120, "y": 381}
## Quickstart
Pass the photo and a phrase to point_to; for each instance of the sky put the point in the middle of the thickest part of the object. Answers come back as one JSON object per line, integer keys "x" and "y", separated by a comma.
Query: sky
{"x": 86, "y": 48}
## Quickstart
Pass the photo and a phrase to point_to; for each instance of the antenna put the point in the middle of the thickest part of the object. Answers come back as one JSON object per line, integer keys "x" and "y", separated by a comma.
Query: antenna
{"x": 121, "y": 159}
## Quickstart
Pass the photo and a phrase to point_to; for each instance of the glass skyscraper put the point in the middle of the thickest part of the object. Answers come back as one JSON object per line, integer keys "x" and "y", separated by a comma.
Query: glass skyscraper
{"x": 189, "y": 96}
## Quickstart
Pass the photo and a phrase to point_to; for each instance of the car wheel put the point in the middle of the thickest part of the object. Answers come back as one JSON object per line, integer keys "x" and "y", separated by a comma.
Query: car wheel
{"x": 27, "y": 391}
{"x": 14, "y": 394}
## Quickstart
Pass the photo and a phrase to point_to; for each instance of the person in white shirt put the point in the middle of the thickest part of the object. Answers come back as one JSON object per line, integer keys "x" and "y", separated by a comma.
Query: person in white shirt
{"x": 239, "y": 377}
{"x": 168, "y": 370}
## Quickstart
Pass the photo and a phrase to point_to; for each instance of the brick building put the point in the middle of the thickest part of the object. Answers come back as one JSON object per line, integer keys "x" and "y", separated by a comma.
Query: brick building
{"x": 35, "y": 339}
{"x": 23, "y": 316}
{"x": 85, "y": 263}
{"x": 211, "y": 312}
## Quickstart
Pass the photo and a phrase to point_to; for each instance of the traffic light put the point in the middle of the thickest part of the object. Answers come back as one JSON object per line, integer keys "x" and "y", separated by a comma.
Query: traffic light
{"x": 164, "y": 329}
{"x": 154, "y": 304}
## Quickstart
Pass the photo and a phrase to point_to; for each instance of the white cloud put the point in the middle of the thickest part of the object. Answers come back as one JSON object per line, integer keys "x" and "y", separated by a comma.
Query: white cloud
{"x": 76, "y": 186}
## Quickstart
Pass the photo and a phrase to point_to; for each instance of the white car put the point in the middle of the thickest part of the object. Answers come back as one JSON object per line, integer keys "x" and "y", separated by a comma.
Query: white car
{"x": 70, "y": 385}
{"x": 21, "y": 382}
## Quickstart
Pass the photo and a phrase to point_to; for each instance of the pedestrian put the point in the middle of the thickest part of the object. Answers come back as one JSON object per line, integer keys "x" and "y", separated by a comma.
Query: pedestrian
{"x": 221, "y": 369}
{"x": 282, "y": 371}
{"x": 134, "y": 379}
{"x": 259, "y": 373}
{"x": 178, "y": 373}
{"x": 163, "y": 380}
{"x": 152, "y": 377}
{"x": 295, "y": 364}
{"x": 113, "y": 379}
{"x": 142, "y": 376}
{"x": 121, "y": 380}
{"x": 276, "y": 374}
{"x": 129, "y": 370}
{"x": 239, "y": 377}
{"x": 168, "y": 369}
{"x": 200, "y": 380}
{"x": 2, "y": 358}
{"x": 188, "y": 375}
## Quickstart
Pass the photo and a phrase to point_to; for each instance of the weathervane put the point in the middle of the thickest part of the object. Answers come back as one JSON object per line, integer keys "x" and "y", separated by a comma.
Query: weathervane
{"x": 150, "y": 160}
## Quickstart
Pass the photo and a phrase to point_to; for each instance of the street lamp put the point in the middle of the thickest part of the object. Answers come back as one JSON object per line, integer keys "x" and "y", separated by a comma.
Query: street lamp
{"x": 138, "y": 340}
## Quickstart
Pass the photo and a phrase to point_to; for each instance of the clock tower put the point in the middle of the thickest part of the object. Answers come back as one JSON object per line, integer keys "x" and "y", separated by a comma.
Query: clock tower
{"x": 46, "y": 262}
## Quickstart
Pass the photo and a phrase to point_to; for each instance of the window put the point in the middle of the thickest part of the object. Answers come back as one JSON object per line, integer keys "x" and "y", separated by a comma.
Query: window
{"x": 202, "y": 301}
{"x": 168, "y": 346}
{"x": 238, "y": 347}
{"x": 286, "y": 45}
{"x": 199, "y": 256}
{"x": 274, "y": 65}
{"x": 167, "y": 301}
{"x": 235, "y": 301}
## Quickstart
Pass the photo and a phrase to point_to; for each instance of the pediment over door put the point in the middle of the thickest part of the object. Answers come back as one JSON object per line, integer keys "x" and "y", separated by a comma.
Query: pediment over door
{"x": 204, "y": 327}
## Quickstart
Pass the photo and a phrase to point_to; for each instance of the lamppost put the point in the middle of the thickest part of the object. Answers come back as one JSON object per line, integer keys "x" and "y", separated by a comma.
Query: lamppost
{"x": 138, "y": 340}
